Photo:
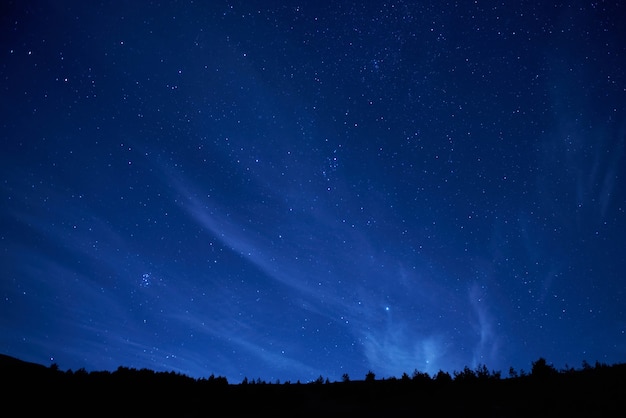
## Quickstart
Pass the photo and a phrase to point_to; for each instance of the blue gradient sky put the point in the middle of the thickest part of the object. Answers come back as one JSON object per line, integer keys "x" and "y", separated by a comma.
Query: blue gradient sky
{"x": 287, "y": 191}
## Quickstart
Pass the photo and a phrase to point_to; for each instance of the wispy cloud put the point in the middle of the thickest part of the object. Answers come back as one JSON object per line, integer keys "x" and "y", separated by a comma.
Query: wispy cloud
{"x": 487, "y": 347}
{"x": 395, "y": 350}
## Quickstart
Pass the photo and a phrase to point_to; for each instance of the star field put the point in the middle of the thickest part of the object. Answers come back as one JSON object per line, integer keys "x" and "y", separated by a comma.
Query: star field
{"x": 253, "y": 189}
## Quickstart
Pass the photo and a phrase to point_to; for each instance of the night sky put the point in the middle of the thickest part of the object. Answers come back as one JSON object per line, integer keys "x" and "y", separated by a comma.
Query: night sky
{"x": 283, "y": 190}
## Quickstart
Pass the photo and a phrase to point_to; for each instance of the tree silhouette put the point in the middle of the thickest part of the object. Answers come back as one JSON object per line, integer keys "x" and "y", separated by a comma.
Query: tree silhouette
{"x": 466, "y": 375}
{"x": 541, "y": 369}
{"x": 443, "y": 377}
{"x": 590, "y": 391}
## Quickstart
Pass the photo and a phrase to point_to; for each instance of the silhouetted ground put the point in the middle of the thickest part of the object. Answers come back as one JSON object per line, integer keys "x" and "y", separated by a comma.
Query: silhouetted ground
{"x": 30, "y": 389}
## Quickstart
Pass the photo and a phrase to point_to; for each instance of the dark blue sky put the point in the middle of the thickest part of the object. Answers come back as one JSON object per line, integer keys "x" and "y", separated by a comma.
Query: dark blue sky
{"x": 287, "y": 191}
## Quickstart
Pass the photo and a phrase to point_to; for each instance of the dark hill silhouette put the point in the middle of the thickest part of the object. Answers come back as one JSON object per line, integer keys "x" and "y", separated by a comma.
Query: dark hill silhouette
{"x": 30, "y": 389}
{"x": 8, "y": 363}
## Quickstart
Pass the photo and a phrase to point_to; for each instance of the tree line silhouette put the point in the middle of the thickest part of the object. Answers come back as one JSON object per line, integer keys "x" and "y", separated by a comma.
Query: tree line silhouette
{"x": 598, "y": 390}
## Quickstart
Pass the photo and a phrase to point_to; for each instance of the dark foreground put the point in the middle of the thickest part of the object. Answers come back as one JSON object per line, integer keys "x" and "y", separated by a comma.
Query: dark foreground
{"x": 29, "y": 389}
